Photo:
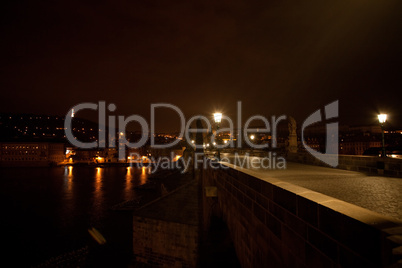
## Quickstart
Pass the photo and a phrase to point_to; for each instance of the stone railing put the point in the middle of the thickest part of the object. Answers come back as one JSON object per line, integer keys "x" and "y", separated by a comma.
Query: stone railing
{"x": 277, "y": 224}
{"x": 368, "y": 164}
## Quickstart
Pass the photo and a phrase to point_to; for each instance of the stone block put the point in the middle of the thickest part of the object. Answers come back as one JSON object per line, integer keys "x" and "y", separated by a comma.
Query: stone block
{"x": 289, "y": 260}
{"x": 294, "y": 242}
{"x": 276, "y": 246}
{"x": 285, "y": 199}
{"x": 250, "y": 193}
{"x": 262, "y": 201}
{"x": 360, "y": 237}
{"x": 259, "y": 213}
{"x": 350, "y": 259}
{"x": 330, "y": 222}
{"x": 248, "y": 203}
{"x": 266, "y": 189}
{"x": 274, "y": 225}
{"x": 277, "y": 211}
{"x": 296, "y": 224}
{"x": 307, "y": 210}
{"x": 314, "y": 258}
{"x": 255, "y": 184}
{"x": 326, "y": 245}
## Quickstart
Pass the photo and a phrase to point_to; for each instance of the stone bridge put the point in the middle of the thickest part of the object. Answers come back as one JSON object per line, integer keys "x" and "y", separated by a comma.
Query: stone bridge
{"x": 301, "y": 216}
{"x": 274, "y": 222}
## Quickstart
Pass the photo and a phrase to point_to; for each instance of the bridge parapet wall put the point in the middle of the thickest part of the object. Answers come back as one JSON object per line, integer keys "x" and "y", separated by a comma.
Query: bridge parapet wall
{"x": 361, "y": 163}
{"x": 367, "y": 164}
{"x": 277, "y": 224}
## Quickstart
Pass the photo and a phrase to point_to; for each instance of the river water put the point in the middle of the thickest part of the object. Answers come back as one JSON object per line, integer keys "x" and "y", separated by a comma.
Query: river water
{"x": 46, "y": 212}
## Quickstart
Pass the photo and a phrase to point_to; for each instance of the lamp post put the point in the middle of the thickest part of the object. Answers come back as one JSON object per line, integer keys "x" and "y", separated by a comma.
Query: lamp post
{"x": 382, "y": 118}
{"x": 218, "y": 119}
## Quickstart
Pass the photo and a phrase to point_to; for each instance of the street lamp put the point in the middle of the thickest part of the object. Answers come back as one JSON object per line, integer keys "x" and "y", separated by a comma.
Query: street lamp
{"x": 382, "y": 118}
{"x": 218, "y": 119}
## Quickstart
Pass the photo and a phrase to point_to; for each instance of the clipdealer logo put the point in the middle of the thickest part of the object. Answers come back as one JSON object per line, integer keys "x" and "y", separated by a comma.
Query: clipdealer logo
{"x": 330, "y": 156}
{"x": 148, "y": 130}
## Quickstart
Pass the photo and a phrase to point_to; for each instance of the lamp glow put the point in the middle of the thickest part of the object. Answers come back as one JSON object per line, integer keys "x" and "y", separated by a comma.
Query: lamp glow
{"x": 382, "y": 118}
{"x": 218, "y": 117}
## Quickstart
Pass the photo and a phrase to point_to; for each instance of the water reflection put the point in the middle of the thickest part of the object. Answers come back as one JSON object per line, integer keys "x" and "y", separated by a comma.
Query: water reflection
{"x": 101, "y": 181}
{"x": 128, "y": 191}
{"x": 69, "y": 200}
{"x": 68, "y": 179}
{"x": 98, "y": 191}
{"x": 61, "y": 203}
{"x": 144, "y": 175}
{"x": 98, "y": 182}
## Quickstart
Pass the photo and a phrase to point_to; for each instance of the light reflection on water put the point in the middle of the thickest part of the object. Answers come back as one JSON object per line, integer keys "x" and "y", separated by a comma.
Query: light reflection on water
{"x": 144, "y": 174}
{"x": 128, "y": 194}
{"x": 132, "y": 177}
{"x": 69, "y": 178}
{"x": 69, "y": 202}
{"x": 61, "y": 203}
{"x": 98, "y": 192}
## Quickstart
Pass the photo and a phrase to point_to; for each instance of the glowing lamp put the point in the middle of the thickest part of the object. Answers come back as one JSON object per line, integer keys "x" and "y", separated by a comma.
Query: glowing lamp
{"x": 382, "y": 118}
{"x": 218, "y": 117}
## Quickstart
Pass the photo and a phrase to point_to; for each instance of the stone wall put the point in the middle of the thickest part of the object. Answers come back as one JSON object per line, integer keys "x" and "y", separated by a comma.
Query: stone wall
{"x": 161, "y": 243}
{"x": 166, "y": 230}
{"x": 277, "y": 224}
{"x": 367, "y": 164}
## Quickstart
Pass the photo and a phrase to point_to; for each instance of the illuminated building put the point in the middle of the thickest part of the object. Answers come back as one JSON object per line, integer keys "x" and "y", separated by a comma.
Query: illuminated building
{"x": 31, "y": 153}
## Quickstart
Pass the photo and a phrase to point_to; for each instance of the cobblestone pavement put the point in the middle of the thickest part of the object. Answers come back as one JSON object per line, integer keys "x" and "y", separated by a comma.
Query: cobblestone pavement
{"x": 377, "y": 193}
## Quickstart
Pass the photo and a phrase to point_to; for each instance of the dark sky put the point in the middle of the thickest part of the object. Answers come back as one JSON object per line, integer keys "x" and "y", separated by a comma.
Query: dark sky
{"x": 277, "y": 57}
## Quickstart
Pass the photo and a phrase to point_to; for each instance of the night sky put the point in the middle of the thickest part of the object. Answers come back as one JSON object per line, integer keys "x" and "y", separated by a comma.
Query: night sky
{"x": 277, "y": 57}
